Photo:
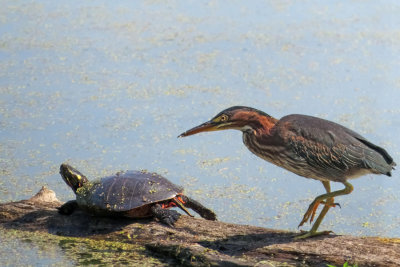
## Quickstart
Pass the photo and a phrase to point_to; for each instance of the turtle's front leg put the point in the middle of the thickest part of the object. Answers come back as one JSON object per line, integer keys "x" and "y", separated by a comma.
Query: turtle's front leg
{"x": 68, "y": 207}
{"x": 199, "y": 208}
{"x": 166, "y": 216}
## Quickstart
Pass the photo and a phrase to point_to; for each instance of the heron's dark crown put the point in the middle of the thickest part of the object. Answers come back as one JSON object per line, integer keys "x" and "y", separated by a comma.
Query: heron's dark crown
{"x": 234, "y": 109}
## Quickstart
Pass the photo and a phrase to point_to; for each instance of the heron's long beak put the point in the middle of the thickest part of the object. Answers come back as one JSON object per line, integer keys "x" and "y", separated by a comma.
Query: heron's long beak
{"x": 205, "y": 127}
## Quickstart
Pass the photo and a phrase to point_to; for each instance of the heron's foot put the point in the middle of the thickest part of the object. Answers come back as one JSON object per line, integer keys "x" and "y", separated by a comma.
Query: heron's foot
{"x": 312, "y": 209}
{"x": 308, "y": 234}
{"x": 310, "y": 214}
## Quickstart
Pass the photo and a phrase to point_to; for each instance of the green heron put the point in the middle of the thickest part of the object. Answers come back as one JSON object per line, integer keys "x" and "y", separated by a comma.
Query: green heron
{"x": 308, "y": 146}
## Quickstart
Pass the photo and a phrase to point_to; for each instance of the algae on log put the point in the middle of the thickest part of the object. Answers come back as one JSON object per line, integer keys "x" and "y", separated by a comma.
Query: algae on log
{"x": 198, "y": 242}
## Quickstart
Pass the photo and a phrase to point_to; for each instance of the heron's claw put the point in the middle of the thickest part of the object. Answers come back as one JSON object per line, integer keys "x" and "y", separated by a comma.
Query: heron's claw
{"x": 307, "y": 234}
{"x": 312, "y": 209}
{"x": 333, "y": 205}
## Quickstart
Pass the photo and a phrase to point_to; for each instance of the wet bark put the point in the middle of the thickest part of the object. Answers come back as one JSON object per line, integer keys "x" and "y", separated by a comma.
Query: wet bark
{"x": 198, "y": 242}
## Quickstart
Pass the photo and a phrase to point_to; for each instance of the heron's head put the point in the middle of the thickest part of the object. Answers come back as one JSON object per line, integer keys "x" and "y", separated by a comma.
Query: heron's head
{"x": 237, "y": 117}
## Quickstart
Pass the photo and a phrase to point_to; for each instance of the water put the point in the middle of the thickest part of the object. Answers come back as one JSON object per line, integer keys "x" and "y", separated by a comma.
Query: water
{"x": 108, "y": 86}
{"x": 20, "y": 250}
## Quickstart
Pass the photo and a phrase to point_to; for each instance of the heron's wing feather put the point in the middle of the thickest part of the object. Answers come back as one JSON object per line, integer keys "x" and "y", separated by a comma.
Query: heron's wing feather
{"x": 327, "y": 144}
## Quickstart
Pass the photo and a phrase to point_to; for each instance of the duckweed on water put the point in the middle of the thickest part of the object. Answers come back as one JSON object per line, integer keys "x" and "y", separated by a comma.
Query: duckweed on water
{"x": 85, "y": 251}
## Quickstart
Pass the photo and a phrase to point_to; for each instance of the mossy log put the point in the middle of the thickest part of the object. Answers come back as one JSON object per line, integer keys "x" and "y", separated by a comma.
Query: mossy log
{"x": 198, "y": 242}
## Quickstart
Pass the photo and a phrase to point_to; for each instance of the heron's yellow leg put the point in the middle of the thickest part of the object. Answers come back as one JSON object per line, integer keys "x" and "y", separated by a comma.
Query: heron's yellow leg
{"x": 327, "y": 202}
{"x": 312, "y": 209}
{"x": 328, "y": 198}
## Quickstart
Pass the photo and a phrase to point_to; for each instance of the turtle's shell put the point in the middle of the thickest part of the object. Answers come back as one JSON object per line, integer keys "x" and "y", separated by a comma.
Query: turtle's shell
{"x": 130, "y": 192}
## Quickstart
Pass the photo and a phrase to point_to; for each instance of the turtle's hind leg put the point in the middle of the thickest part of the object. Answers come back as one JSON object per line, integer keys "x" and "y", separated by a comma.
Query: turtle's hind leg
{"x": 199, "y": 208}
{"x": 68, "y": 207}
{"x": 166, "y": 216}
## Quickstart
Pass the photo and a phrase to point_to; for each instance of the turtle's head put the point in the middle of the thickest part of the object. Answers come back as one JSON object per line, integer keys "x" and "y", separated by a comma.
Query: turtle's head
{"x": 72, "y": 177}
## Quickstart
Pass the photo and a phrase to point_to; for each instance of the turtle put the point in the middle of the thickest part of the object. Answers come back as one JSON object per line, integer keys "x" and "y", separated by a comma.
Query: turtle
{"x": 132, "y": 194}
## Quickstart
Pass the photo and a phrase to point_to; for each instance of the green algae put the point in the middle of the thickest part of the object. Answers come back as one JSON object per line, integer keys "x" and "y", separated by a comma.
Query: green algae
{"x": 86, "y": 251}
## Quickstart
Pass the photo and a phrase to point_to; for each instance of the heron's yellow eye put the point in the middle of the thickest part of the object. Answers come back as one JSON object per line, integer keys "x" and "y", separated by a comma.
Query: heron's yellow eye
{"x": 221, "y": 118}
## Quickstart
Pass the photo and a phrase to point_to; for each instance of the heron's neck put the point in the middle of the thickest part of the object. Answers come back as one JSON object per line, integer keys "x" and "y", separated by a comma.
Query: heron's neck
{"x": 260, "y": 127}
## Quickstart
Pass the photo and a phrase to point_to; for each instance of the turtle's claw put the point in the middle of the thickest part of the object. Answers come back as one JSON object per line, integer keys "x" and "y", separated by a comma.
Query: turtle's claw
{"x": 68, "y": 207}
{"x": 166, "y": 216}
{"x": 170, "y": 217}
{"x": 174, "y": 216}
{"x": 210, "y": 215}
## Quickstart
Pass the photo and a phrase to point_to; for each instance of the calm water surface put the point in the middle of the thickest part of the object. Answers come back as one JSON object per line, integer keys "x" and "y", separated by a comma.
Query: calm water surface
{"x": 108, "y": 86}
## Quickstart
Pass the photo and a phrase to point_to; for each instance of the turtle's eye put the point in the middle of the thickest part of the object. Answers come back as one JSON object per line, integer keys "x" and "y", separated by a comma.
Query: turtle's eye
{"x": 78, "y": 177}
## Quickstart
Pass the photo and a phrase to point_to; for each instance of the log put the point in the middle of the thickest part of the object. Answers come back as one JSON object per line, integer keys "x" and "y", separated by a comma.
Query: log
{"x": 198, "y": 242}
